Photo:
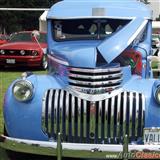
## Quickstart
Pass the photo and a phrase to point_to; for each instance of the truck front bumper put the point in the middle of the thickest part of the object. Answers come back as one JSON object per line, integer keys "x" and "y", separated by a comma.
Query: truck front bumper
{"x": 77, "y": 150}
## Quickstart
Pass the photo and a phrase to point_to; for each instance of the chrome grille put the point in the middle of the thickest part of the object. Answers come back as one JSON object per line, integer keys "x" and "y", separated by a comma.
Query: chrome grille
{"x": 17, "y": 53}
{"x": 95, "y": 81}
{"x": 82, "y": 121}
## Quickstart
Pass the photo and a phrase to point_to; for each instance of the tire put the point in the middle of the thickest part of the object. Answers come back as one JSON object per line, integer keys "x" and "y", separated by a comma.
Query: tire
{"x": 2, "y": 67}
{"x": 44, "y": 62}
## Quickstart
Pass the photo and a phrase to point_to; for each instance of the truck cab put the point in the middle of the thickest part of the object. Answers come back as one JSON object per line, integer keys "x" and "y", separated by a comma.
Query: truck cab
{"x": 99, "y": 98}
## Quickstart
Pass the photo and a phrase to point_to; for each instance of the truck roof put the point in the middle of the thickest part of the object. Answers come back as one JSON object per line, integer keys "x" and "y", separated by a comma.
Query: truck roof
{"x": 120, "y": 9}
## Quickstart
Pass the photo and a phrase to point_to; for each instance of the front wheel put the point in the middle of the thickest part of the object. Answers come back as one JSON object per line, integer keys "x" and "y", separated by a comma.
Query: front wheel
{"x": 44, "y": 62}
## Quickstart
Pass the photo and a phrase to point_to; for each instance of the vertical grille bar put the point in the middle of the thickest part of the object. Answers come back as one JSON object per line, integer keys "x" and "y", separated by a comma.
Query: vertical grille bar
{"x": 102, "y": 121}
{"x": 96, "y": 125}
{"x": 139, "y": 133}
{"x": 134, "y": 116}
{"x": 58, "y": 111}
{"x": 109, "y": 121}
{"x": 49, "y": 110}
{"x": 64, "y": 116}
{"x": 127, "y": 114}
{"x": 52, "y": 116}
{"x": 70, "y": 119}
{"x": 121, "y": 117}
{"x": 46, "y": 111}
{"x": 82, "y": 121}
{"x": 87, "y": 121}
{"x": 76, "y": 120}
{"x": 143, "y": 112}
{"x": 106, "y": 120}
{"x": 115, "y": 120}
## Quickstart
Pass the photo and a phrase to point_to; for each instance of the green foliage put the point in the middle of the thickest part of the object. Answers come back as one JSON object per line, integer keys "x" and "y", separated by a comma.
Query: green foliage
{"x": 13, "y": 21}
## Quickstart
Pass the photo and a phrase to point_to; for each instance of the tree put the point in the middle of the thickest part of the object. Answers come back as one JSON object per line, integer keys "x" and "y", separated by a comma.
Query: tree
{"x": 14, "y": 21}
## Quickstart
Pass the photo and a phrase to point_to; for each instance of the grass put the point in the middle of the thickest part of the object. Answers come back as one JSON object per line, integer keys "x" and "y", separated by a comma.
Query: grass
{"x": 6, "y": 77}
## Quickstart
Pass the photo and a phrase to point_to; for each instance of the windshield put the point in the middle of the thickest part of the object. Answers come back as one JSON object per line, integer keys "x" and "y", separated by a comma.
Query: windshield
{"x": 26, "y": 37}
{"x": 3, "y": 37}
{"x": 86, "y": 29}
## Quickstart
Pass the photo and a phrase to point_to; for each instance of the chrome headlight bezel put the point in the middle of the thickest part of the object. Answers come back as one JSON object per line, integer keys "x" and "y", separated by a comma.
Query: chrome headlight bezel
{"x": 35, "y": 53}
{"x": 2, "y": 52}
{"x": 22, "y": 52}
{"x": 157, "y": 95}
{"x": 156, "y": 91}
{"x": 23, "y": 90}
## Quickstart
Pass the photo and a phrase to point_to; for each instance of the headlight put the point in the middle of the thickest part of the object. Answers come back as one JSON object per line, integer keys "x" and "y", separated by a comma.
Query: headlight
{"x": 22, "y": 52}
{"x": 23, "y": 90}
{"x": 34, "y": 53}
{"x": 156, "y": 91}
{"x": 157, "y": 95}
{"x": 2, "y": 51}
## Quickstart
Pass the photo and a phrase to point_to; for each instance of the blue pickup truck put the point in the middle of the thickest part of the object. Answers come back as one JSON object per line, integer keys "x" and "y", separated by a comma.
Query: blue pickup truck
{"x": 99, "y": 98}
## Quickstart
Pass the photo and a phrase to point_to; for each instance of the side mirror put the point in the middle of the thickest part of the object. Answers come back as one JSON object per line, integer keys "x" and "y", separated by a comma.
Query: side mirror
{"x": 35, "y": 35}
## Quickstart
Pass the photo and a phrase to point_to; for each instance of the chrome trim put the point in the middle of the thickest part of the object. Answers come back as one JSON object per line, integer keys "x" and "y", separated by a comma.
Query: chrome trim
{"x": 58, "y": 60}
{"x": 50, "y": 110}
{"x": 95, "y": 83}
{"x": 86, "y": 117}
{"x": 131, "y": 103}
{"x": 114, "y": 75}
{"x": 99, "y": 151}
{"x": 29, "y": 85}
{"x": 94, "y": 97}
{"x": 97, "y": 70}
{"x": 77, "y": 91}
{"x": 124, "y": 105}
{"x": 43, "y": 112}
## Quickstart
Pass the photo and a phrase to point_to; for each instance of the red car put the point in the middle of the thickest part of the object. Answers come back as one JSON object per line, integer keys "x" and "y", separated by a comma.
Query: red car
{"x": 24, "y": 49}
{"x": 3, "y": 39}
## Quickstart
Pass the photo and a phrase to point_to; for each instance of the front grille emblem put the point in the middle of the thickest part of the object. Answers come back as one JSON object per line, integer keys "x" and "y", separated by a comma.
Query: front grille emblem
{"x": 11, "y": 52}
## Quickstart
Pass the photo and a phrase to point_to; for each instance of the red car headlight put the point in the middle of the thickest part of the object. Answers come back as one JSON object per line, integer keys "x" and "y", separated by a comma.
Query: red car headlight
{"x": 34, "y": 53}
{"x": 22, "y": 52}
{"x": 2, "y": 51}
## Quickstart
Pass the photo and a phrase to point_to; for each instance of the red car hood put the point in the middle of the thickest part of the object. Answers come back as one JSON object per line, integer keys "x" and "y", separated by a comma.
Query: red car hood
{"x": 23, "y": 45}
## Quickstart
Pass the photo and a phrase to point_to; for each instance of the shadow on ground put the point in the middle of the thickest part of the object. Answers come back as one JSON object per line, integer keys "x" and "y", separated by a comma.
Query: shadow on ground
{"x": 20, "y": 69}
{"x": 20, "y": 156}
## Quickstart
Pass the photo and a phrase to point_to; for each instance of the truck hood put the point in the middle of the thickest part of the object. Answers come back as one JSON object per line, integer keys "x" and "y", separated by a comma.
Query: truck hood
{"x": 78, "y": 53}
{"x": 112, "y": 47}
{"x": 22, "y": 45}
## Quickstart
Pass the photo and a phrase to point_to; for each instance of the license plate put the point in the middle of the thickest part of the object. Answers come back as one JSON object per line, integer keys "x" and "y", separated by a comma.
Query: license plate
{"x": 10, "y": 61}
{"x": 151, "y": 136}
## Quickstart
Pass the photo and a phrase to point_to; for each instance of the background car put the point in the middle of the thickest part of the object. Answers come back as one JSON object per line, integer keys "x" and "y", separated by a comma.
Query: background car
{"x": 25, "y": 49}
{"x": 155, "y": 40}
{"x": 3, "y": 38}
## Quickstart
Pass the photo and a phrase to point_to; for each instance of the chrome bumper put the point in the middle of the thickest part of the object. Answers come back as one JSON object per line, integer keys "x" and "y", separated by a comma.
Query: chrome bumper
{"x": 100, "y": 151}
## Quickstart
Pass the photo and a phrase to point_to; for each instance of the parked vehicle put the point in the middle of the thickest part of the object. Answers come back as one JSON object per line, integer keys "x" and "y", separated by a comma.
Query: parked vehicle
{"x": 3, "y": 38}
{"x": 24, "y": 50}
{"x": 99, "y": 99}
{"x": 156, "y": 40}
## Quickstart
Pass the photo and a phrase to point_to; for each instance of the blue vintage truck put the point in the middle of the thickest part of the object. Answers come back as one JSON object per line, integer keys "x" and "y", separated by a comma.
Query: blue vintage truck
{"x": 99, "y": 99}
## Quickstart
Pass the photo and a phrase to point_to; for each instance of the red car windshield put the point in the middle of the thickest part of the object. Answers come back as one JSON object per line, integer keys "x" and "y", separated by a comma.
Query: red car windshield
{"x": 26, "y": 37}
{"x": 3, "y": 37}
